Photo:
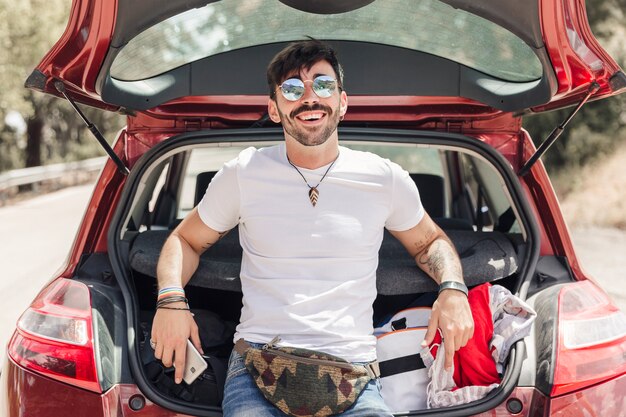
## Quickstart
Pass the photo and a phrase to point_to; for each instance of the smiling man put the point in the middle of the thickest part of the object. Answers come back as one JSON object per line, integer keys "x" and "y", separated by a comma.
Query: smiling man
{"x": 311, "y": 217}
{"x": 306, "y": 119}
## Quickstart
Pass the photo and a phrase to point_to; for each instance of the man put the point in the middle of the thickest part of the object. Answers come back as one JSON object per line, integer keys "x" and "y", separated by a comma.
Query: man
{"x": 311, "y": 216}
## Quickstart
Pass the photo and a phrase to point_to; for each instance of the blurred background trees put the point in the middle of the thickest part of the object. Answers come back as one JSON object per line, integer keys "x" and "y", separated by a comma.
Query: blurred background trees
{"x": 37, "y": 129}
{"x": 600, "y": 127}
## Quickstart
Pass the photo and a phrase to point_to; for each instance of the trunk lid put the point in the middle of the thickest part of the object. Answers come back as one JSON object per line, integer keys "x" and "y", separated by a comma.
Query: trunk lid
{"x": 199, "y": 57}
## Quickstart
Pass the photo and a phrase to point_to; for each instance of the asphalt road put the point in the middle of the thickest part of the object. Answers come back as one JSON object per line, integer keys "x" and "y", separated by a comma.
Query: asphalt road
{"x": 35, "y": 236}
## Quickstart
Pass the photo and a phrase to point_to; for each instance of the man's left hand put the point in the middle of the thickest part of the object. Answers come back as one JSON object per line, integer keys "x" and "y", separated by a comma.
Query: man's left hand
{"x": 451, "y": 313}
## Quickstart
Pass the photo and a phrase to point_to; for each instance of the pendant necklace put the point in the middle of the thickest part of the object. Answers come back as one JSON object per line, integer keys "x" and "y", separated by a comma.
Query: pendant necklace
{"x": 313, "y": 191}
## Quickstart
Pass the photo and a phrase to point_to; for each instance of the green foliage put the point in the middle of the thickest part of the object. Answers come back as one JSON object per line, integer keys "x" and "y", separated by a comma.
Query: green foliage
{"x": 595, "y": 131}
{"x": 10, "y": 148}
{"x": 28, "y": 29}
{"x": 599, "y": 127}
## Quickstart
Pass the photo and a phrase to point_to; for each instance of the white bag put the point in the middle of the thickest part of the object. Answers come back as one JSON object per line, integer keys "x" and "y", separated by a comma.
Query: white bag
{"x": 411, "y": 317}
{"x": 404, "y": 377}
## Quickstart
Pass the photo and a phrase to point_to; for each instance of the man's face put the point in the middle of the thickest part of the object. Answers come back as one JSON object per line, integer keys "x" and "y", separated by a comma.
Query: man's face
{"x": 310, "y": 120}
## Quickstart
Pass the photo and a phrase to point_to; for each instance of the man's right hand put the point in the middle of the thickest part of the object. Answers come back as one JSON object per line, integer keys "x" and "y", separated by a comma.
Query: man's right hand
{"x": 178, "y": 260}
{"x": 170, "y": 331}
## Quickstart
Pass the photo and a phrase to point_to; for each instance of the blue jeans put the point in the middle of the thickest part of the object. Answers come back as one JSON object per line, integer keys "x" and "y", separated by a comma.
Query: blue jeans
{"x": 242, "y": 398}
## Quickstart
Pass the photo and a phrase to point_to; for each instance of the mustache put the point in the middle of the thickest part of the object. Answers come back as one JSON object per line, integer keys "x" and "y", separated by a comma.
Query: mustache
{"x": 305, "y": 108}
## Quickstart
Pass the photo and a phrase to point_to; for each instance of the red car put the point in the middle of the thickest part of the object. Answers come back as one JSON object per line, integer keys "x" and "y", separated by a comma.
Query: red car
{"x": 439, "y": 87}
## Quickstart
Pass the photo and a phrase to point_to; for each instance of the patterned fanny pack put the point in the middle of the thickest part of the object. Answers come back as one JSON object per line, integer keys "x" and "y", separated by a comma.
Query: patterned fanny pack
{"x": 305, "y": 383}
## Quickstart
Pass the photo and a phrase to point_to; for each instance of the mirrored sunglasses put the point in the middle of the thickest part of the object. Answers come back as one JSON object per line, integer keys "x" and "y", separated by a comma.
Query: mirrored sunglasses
{"x": 323, "y": 85}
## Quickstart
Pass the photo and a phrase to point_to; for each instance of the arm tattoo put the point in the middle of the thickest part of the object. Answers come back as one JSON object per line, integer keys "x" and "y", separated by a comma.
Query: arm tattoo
{"x": 438, "y": 259}
{"x": 422, "y": 244}
{"x": 435, "y": 261}
{"x": 209, "y": 244}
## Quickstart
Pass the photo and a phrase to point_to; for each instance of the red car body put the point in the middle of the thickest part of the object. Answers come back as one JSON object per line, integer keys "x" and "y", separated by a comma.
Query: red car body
{"x": 583, "y": 381}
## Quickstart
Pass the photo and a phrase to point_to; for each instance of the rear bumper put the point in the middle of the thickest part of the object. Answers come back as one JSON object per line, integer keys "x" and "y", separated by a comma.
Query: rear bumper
{"x": 24, "y": 393}
{"x": 605, "y": 399}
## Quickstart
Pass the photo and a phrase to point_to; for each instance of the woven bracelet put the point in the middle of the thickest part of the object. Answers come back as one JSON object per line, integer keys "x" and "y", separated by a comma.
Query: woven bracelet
{"x": 173, "y": 308}
{"x": 170, "y": 292}
{"x": 171, "y": 300}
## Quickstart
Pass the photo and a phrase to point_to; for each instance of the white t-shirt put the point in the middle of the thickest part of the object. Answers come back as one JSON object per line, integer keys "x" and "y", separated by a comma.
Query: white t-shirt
{"x": 308, "y": 274}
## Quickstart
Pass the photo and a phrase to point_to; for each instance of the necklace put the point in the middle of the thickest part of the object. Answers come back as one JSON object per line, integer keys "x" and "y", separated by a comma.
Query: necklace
{"x": 313, "y": 191}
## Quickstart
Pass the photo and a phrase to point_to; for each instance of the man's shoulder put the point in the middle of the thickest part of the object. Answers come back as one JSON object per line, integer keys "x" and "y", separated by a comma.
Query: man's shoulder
{"x": 366, "y": 159}
{"x": 254, "y": 155}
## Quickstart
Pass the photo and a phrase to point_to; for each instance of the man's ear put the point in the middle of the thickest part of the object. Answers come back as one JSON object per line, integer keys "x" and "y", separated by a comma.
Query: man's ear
{"x": 343, "y": 104}
{"x": 272, "y": 111}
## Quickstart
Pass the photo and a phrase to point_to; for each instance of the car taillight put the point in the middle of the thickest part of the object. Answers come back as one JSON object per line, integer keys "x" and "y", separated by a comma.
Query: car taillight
{"x": 54, "y": 335}
{"x": 591, "y": 345}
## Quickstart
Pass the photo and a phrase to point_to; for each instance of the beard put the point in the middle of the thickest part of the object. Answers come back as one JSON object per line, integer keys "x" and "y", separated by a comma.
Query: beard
{"x": 311, "y": 136}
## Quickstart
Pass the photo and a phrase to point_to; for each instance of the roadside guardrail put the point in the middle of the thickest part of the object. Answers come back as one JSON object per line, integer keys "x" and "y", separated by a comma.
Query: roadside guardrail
{"x": 54, "y": 172}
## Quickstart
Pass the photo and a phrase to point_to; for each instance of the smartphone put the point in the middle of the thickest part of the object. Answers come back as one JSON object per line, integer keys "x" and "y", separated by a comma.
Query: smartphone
{"x": 194, "y": 363}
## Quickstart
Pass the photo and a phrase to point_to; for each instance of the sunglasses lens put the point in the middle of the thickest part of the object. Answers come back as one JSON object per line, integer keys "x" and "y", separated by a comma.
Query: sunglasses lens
{"x": 324, "y": 86}
{"x": 292, "y": 89}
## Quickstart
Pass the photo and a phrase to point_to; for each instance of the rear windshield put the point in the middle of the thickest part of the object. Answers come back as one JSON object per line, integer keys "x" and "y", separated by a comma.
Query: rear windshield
{"x": 425, "y": 25}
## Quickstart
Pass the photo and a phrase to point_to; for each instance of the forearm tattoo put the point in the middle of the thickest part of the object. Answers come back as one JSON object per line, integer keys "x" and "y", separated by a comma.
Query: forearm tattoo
{"x": 440, "y": 258}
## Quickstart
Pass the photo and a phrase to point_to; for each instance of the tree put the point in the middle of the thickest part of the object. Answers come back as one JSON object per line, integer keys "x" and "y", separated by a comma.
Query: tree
{"x": 28, "y": 29}
{"x": 599, "y": 126}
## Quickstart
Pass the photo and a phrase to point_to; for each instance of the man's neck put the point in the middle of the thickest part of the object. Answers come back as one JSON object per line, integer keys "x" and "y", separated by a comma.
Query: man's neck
{"x": 312, "y": 157}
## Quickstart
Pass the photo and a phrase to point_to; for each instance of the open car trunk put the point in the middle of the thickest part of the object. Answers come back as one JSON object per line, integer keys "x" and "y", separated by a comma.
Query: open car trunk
{"x": 466, "y": 186}
{"x": 467, "y": 66}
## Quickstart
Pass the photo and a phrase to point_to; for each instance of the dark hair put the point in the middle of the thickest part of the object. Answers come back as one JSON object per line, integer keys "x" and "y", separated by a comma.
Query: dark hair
{"x": 299, "y": 55}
